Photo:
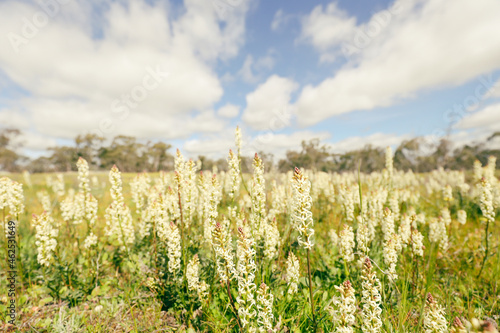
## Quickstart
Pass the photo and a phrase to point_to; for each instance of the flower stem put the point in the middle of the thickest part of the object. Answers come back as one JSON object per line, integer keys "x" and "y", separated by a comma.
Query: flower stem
{"x": 487, "y": 248}
{"x": 310, "y": 288}
{"x": 232, "y": 304}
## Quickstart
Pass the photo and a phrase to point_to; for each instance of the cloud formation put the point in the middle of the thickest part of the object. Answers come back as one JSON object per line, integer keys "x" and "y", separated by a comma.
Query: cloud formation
{"x": 269, "y": 101}
{"x": 423, "y": 45}
{"x": 142, "y": 69}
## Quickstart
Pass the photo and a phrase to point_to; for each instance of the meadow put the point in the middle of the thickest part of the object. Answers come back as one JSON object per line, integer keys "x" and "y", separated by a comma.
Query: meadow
{"x": 214, "y": 251}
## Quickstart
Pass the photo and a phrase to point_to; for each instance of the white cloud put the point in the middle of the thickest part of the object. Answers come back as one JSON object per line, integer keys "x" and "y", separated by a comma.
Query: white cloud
{"x": 279, "y": 143}
{"x": 425, "y": 44}
{"x": 211, "y": 148}
{"x": 327, "y": 28}
{"x": 229, "y": 111}
{"x": 34, "y": 142}
{"x": 485, "y": 120}
{"x": 268, "y": 142}
{"x": 75, "y": 79}
{"x": 376, "y": 140}
{"x": 266, "y": 62}
{"x": 280, "y": 19}
{"x": 494, "y": 91}
{"x": 267, "y": 102}
{"x": 12, "y": 119}
{"x": 246, "y": 71}
{"x": 252, "y": 70}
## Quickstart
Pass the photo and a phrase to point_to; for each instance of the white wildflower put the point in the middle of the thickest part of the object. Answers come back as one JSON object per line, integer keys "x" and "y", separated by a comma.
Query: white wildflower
{"x": 434, "y": 320}
{"x": 334, "y": 238}
{"x": 174, "y": 249}
{"x": 486, "y": 201}
{"x": 389, "y": 162}
{"x": 462, "y": 216}
{"x": 58, "y": 185}
{"x": 438, "y": 234}
{"x": 391, "y": 246}
{"x": 292, "y": 273}
{"x": 272, "y": 240}
{"x": 417, "y": 243}
{"x": 211, "y": 203}
{"x": 405, "y": 229}
{"x": 346, "y": 197}
{"x": 237, "y": 135}
{"x": 118, "y": 217}
{"x": 246, "y": 280}
{"x": 45, "y": 238}
{"x": 346, "y": 244}
{"x": 478, "y": 170}
{"x": 140, "y": 187}
{"x": 302, "y": 219}
{"x": 27, "y": 178}
{"x": 344, "y": 308}
{"x": 370, "y": 299}
{"x": 265, "y": 309}
{"x": 387, "y": 224}
{"x": 44, "y": 199}
{"x": 234, "y": 174}
{"x": 445, "y": 215}
{"x": 258, "y": 194}
{"x": 223, "y": 253}
{"x": 83, "y": 175}
{"x": 90, "y": 241}
{"x": 192, "y": 273}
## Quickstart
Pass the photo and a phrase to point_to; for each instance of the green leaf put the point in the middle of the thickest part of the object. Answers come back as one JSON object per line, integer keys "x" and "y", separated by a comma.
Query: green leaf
{"x": 96, "y": 292}
{"x": 63, "y": 290}
{"x": 45, "y": 301}
{"x": 22, "y": 299}
{"x": 46, "y": 322}
{"x": 317, "y": 281}
{"x": 325, "y": 295}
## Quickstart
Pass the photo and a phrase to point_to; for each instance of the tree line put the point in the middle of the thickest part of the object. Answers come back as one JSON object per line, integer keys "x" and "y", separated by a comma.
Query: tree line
{"x": 131, "y": 155}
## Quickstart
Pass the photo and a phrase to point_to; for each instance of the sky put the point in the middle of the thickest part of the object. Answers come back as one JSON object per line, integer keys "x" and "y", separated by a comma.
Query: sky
{"x": 349, "y": 73}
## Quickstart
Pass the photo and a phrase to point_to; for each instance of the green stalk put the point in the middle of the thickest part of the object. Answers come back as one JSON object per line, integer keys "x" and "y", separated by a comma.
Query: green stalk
{"x": 232, "y": 301}
{"x": 487, "y": 248}
{"x": 346, "y": 269}
{"x": 310, "y": 288}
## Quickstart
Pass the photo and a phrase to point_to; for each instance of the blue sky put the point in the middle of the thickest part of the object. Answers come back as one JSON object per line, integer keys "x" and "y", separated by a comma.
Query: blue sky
{"x": 350, "y": 73}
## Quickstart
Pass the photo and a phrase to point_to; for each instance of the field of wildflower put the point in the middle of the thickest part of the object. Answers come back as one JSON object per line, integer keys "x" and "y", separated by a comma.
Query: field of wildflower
{"x": 213, "y": 251}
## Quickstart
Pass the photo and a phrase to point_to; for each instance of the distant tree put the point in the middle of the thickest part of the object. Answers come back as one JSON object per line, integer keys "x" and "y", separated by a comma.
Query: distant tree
{"x": 126, "y": 153}
{"x": 407, "y": 155}
{"x": 247, "y": 162}
{"x": 64, "y": 158}
{"x": 9, "y": 158}
{"x": 267, "y": 160}
{"x": 442, "y": 153}
{"x": 88, "y": 146}
{"x": 41, "y": 164}
{"x": 133, "y": 156}
{"x": 371, "y": 159}
{"x": 209, "y": 164}
{"x": 312, "y": 156}
{"x": 204, "y": 162}
{"x": 158, "y": 156}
